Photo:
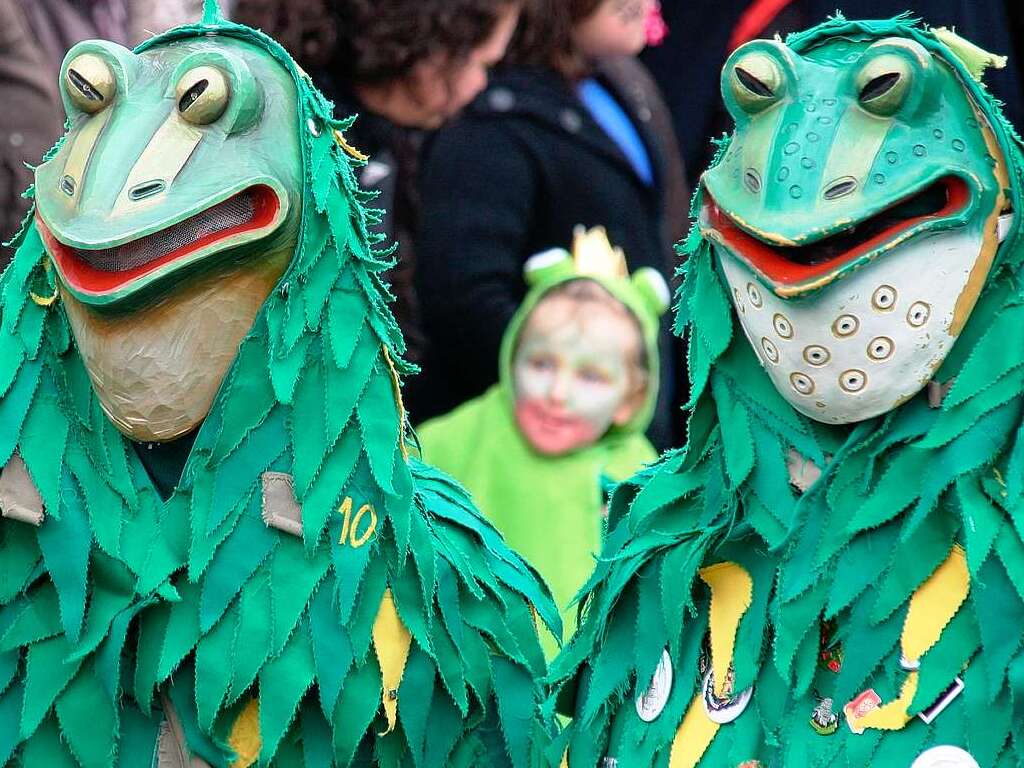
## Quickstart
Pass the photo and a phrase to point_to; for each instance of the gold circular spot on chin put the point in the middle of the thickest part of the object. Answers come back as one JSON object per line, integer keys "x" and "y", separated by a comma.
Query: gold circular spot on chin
{"x": 853, "y": 380}
{"x": 918, "y": 314}
{"x": 770, "y": 350}
{"x": 802, "y": 383}
{"x": 817, "y": 355}
{"x": 782, "y": 326}
{"x": 845, "y": 325}
{"x": 881, "y": 348}
{"x": 884, "y": 298}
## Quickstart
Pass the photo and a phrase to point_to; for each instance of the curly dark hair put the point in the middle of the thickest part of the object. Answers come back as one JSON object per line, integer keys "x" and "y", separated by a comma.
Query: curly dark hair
{"x": 374, "y": 41}
{"x": 306, "y": 28}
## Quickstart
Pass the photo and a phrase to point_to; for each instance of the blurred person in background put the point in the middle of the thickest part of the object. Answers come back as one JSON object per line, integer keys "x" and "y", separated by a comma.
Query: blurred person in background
{"x": 571, "y": 132}
{"x": 34, "y": 36}
{"x": 405, "y": 67}
{"x": 687, "y": 67}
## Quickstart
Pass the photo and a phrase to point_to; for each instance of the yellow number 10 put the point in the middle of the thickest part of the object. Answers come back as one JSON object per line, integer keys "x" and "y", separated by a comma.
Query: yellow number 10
{"x": 350, "y": 526}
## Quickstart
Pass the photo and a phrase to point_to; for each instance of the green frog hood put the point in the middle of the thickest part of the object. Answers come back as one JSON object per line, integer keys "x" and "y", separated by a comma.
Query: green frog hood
{"x": 831, "y": 569}
{"x": 644, "y": 294}
{"x": 306, "y": 594}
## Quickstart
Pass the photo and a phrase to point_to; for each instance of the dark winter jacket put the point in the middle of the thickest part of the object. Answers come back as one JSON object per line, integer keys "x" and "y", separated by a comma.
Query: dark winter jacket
{"x": 514, "y": 176}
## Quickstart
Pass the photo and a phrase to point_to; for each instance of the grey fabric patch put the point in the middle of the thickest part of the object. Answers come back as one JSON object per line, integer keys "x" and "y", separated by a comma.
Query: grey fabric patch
{"x": 937, "y": 392}
{"x": 19, "y": 497}
{"x": 803, "y": 473}
{"x": 280, "y": 509}
{"x": 171, "y": 749}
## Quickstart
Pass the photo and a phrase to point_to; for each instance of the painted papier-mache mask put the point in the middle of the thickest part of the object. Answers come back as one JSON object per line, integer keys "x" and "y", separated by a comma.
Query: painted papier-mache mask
{"x": 856, "y": 214}
{"x": 298, "y": 589}
{"x": 168, "y": 227}
{"x": 830, "y": 570}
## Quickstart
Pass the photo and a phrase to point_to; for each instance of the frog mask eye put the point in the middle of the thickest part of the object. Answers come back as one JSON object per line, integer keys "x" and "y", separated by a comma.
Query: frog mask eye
{"x": 892, "y": 76}
{"x": 755, "y": 78}
{"x": 90, "y": 83}
{"x": 202, "y": 95}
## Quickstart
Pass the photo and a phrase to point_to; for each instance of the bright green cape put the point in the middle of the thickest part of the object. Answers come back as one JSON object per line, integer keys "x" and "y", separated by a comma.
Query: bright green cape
{"x": 549, "y": 509}
{"x": 898, "y": 491}
{"x": 119, "y": 595}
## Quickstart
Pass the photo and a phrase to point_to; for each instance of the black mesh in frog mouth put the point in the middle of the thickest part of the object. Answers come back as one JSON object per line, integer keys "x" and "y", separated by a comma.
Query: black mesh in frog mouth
{"x": 237, "y": 212}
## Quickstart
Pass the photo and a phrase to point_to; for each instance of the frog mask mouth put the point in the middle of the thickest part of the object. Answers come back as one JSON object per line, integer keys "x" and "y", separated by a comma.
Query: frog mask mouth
{"x": 103, "y": 272}
{"x": 793, "y": 267}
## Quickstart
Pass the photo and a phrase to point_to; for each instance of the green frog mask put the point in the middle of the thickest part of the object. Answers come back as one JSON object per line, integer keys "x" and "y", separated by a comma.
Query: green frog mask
{"x": 856, "y": 213}
{"x": 169, "y": 211}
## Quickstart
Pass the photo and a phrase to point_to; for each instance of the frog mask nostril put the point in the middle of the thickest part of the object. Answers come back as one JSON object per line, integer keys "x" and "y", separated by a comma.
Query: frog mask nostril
{"x": 840, "y": 188}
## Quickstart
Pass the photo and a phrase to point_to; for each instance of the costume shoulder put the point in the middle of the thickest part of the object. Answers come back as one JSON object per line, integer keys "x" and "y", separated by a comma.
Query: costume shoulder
{"x": 820, "y": 576}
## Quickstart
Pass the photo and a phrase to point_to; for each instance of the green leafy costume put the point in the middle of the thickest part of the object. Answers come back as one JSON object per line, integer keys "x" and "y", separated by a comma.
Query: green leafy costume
{"x": 831, "y": 572}
{"x": 306, "y": 594}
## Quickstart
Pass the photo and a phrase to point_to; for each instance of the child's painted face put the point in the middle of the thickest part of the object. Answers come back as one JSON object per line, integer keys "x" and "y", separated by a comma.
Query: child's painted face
{"x": 574, "y": 374}
{"x": 616, "y": 28}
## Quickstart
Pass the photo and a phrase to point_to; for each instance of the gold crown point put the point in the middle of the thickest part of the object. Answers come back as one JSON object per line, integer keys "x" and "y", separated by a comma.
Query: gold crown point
{"x": 593, "y": 254}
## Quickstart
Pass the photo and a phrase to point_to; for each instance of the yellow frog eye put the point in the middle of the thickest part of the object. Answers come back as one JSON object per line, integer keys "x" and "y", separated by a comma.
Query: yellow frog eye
{"x": 757, "y": 82}
{"x": 202, "y": 95}
{"x": 90, "y": 83}
{"x": 883, "y": 84}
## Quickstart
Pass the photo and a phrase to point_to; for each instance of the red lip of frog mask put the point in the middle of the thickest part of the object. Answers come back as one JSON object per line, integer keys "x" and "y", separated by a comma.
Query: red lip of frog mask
{"x": 579, "y": 368}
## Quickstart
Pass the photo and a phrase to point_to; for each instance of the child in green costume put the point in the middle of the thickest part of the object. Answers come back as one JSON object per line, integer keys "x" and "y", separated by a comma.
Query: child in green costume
{"x": 579, "y": 372}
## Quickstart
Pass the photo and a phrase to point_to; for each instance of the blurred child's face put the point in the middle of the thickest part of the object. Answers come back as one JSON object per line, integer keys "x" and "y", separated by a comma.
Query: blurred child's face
{"x": 616, "y": 28}
{"x": 574, "y": 373}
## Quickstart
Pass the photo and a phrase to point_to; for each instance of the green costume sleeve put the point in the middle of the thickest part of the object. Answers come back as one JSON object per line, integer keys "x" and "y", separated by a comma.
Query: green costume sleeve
{"x": 308, "y": 595}
{"x": 777, "y": 571}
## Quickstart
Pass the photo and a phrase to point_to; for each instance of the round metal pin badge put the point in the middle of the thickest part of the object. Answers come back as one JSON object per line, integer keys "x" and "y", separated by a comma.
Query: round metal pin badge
{"x": 651, "y": 703}
{"x": 727, "y": 708}
{"x": 945, "y": 757}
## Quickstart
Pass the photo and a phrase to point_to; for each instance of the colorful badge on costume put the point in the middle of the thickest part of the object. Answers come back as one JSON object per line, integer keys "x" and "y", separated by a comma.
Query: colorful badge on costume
{"x": 854, "y": 235}
{"x": 823, "y": 719}
{"x": 651, "y": 703}
{"x": 580, "y": 366}
{"x": 729, "y": 706}
{"x": 861, "y": 705}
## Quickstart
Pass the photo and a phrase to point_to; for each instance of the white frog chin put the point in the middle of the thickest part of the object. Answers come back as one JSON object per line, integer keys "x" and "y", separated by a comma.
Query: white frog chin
{"x": 868, "y": 342}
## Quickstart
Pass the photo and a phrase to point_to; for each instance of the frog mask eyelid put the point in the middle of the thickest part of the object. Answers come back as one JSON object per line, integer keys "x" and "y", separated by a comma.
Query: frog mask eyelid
{"x": 756, "y": 77}
{"x": 93, "y": 73}
{"x": 230, "y": 98}
{"x": 893, "y": 77}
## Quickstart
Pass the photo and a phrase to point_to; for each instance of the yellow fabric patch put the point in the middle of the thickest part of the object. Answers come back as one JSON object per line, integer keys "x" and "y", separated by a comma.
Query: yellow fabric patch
{"x": 731, "y": 593}
{"x": 934, "y": 604}
{"x": 391, "y": 641}
{"x": 932, "y": 607}
{"x": 245, "y": 737}
{"x": 694, "y": 736}
{"x": 892, "y": 716}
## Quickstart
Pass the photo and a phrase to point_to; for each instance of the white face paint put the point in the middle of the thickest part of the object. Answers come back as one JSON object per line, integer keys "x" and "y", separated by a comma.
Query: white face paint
{"x": 867, "y": 343}
{"x": 572, "y": 374}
